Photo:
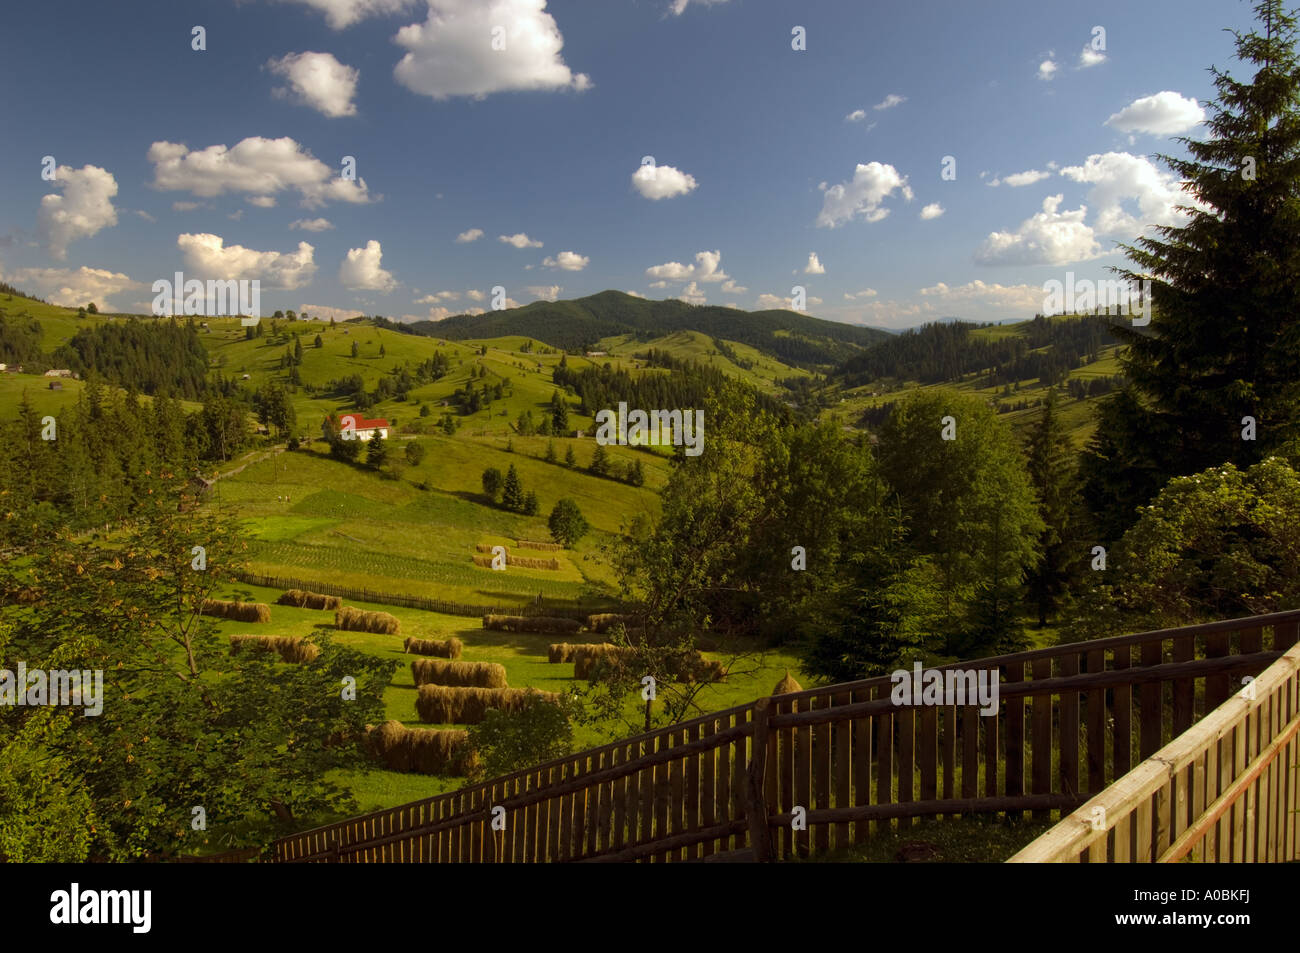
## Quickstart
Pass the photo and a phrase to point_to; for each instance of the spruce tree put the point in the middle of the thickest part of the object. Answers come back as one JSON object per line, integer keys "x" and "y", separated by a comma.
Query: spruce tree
{"x": 570, "y": 458}
{"x": 599, "y": 462}
{"x": 512, "y": 491}
{"x": 1222, "y": 344}
{"x": 550, "y": 452}
{"x": 1052, "y": 472}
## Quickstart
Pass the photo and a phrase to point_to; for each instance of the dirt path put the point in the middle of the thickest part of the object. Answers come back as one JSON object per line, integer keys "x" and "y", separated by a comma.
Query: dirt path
{"x": 257, "y": 458}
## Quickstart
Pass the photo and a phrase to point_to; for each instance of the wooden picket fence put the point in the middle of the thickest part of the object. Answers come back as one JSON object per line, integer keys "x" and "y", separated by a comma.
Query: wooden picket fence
{"x": 1227, "y": 790}
{"x": 1070, "y": 721}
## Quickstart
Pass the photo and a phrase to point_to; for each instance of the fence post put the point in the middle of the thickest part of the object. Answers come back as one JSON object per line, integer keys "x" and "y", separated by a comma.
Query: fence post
{"x": 760, "y": 835}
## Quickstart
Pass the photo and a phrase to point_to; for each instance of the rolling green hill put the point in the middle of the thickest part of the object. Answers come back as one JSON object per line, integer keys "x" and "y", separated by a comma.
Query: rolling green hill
{"x": 579, "y": 324}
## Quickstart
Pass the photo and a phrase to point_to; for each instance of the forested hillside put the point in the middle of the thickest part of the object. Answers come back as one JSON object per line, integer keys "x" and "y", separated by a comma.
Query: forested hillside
{"x": 576, "y": 325}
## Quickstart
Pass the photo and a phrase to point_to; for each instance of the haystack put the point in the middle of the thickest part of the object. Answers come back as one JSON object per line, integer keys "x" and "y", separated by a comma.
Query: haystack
{"x": 438, "y": 704}
{"x": 291, "y": 648}
{"x": 432, "y": 671}
{"x": 308, "y": 600}
{"x": 787, "y": 685}
{"x": 422, "y": 750}
{"x": 444, "y": 648}
{"x": 358, "y": 620}
{"x": 239, "y": 611}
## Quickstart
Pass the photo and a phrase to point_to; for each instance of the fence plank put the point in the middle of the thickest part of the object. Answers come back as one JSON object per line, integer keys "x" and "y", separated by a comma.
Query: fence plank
{"x": 822, "y": 753}
{"x": 1041, "y": 742}
{"x": 692, "y": 792}
{"x": 1151, "y": 707}
{"x": 970, "y": 750}
{"x": 948, "y": 750}
{"x": 724, "y": 812}
{"x": 862, "y": 733}
{"x": 843, "y": 735}
{"x": 905, "y": 719}
{"x": 1068, "y": 706}
{"x": 1121, "y": 706}
{"x": 708, "y": 787}
{"x": 1217, "y": 687}
{"x": 927, "y": 751}
{"x": 1015, "y": 757}
{"x": 1096, "y": 726}
{"x": 803, "y": 781}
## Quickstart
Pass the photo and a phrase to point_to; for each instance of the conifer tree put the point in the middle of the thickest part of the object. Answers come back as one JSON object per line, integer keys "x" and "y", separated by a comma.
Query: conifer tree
{"x": 512, "y": 491}
{"x": 1223, "y": 343}
{"x": 1052, "y": 473}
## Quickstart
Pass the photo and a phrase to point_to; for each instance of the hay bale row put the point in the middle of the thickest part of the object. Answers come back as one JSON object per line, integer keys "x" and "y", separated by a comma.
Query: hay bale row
{"x": 488, "y": 547}
{"x": 239, "y": 611}
{"x": 529, "y": 562}
{"x": 440, "y": 704}
{"x": 538, "y": 544}
{"x": 587, "y": 659}
{"x": 291, "y": 648}
{"x": 530, "y": 623}
{"x": 605, "y": 621}
{"x": 444, "y": 648}
{"x": 358, "y": 620}
{"x": 422, "y": 750}
{"x": 563, "y": 651}
{"x": 432, "y": 671}
{"x": 522, "y": 562}
{"x": 308, "y": 600}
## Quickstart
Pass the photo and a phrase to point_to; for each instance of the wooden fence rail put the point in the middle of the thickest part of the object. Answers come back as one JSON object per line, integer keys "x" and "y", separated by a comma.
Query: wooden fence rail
{"x": 1226, "y": 789}
{"x": 1069, "y": 721}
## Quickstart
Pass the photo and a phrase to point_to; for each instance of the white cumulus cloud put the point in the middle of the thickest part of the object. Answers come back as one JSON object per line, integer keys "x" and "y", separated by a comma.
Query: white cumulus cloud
{"x": 75, "y": 287}
{"x": 84, "y": 207}
{"x": 662, "y": 181}
{"x": 861, "y": 197}
{"x": 890, "y": 101}
{"x": 677, "y": 7}
{"x": 208, "y": 256}
{"x": 344, "y": 13}
{"x": 1020, "y": 179}
{"x": 1022, "y": 297}
{"x": 706, "y": 268}
{"x": 317, "y": 80}
{"x": 856, "y": 116}
{"x": 814, "y": 266}
{"x": 544, "y": 292}
{"x": 567, "y": 261}
{"x": 472, "y": 235}
{"x": 519, "y": 240}
{"x": 1121, "y": 180}
{"x": 1047, "y": 69}
{"x": 1050, "y": 237}
{"x": 1164, "y": 114}
{"x": 933, "y": 210}
{"x": 324, "y": 312}
{"x": 860, "y": 295}
{"x": 255, "y": 165}
{"x": 361, "y": 270}
{"x": 311, "y": 224}
{"x": 1090, "y": 57}
{"x": 451, "y": 53}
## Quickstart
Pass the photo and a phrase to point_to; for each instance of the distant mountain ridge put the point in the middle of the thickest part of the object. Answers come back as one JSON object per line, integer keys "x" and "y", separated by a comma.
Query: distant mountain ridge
{"x": 577, "y": 324}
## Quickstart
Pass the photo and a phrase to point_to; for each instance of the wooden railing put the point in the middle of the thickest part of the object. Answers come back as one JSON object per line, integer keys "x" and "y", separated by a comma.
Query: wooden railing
{"x": 1070, "y": 720}
{"x": 1225, "y": 790}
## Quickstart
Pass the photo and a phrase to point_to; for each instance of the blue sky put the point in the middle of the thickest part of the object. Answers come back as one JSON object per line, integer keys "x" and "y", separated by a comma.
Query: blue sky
{"x": 227, "y": 162}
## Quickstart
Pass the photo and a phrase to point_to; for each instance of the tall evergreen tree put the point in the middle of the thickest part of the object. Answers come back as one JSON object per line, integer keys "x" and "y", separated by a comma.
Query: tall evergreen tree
{"x": 512, "y": 491}
{"x": 1223, "y": 343}
{"x": 1052, "y": 472}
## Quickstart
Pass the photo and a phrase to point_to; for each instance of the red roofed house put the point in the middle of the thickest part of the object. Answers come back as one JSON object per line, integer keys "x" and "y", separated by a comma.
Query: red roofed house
{"x": 361, "y": 428}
